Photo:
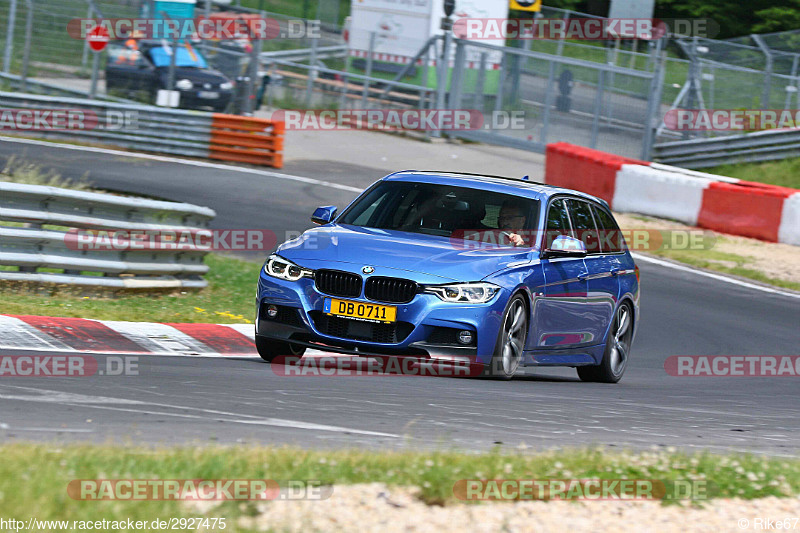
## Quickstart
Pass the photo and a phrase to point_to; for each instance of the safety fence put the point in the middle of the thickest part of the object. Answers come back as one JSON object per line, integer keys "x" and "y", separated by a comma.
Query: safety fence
{"x": 39, "y": 242}
{"x": 744, "y": 148}
{"x": 719, "y": 203}
{"x": 153, "y": 129}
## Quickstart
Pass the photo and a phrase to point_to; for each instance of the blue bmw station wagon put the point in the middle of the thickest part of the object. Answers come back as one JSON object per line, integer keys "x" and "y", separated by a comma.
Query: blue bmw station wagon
{"x": 498, "y": 271}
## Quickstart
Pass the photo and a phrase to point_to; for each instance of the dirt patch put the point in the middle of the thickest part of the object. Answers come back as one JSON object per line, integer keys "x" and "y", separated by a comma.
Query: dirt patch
{"x": 375, "y": 507}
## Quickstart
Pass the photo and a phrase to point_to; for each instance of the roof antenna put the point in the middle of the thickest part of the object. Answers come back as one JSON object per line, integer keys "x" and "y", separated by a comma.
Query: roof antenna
{"x": 526, "y": 177}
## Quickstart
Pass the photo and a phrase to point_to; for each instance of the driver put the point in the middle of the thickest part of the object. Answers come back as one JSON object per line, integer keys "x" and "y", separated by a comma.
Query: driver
{"x": 512, "y": 220}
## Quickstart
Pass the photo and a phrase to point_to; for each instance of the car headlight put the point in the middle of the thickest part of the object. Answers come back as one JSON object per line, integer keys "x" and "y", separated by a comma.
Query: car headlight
{"x": 226, "y": 86}
{"x": 184, "y": 85}
{"x": 473, "y": 293}
{"x": 278, "y": 267}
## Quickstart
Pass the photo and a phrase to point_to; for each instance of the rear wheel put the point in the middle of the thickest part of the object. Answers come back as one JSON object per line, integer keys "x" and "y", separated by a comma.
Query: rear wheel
{"x": 269, "y": 349}
{"x": 618, "y": 346}
{"x": 510, "y": 341}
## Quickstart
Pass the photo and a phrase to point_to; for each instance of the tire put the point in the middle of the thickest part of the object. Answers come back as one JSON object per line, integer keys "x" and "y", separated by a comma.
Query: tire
{"x": 269, "y": 349}
{"x": 508, "y": 351}
{"x": 617, "y": 352}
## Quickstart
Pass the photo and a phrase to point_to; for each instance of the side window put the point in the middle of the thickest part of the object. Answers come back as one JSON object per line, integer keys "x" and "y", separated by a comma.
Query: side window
{"x": 611, "y": 239}
{"x": 583, "y": 224}
{"x": 120, "y": 55}
{"x": 557, "y": 222}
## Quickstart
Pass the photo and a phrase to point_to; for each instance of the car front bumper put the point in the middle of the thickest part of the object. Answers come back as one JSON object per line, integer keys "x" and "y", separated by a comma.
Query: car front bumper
{"x": 425, "y": 327}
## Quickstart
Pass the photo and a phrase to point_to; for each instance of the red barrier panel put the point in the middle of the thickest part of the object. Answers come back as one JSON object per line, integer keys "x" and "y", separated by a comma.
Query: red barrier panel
{"x": 744, "y": 208}
{"x": 584, "y": 169}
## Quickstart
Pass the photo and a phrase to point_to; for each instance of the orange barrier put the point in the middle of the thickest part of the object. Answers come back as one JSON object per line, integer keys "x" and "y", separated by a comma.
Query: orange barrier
{"x": 256, "y": 141}
{"x": 744, "y": 208}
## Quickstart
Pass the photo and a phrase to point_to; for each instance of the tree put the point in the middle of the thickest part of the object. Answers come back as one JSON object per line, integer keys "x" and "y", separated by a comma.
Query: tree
{"x": 778, "y": 18}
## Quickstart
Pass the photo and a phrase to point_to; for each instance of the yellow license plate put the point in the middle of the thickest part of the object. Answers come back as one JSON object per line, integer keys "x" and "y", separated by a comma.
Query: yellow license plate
{"x": 360, "y": 310}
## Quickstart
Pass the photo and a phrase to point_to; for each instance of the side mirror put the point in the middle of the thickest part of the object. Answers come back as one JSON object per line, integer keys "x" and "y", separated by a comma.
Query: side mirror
{"x": 565, "y": 246}
{"x": 324, "y": 214}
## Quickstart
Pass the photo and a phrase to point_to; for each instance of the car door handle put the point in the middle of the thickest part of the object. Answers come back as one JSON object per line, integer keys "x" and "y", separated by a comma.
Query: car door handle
{"x": 583, "y": 276}
{"x": 615, "y": 271}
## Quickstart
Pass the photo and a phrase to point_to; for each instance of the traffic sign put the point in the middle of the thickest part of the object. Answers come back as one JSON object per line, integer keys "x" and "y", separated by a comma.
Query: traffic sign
{"x": 97, "y": 38}
{"x": 526, "y": 5}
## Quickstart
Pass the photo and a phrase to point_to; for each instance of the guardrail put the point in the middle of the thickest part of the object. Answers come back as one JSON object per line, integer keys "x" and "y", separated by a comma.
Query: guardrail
{"x": 44, "y": 87}
{"x": 303, "y": 54}
{"x": 748, "y": 148}
{"x": 123, "y": 264}
{"x": 161, "y": 130}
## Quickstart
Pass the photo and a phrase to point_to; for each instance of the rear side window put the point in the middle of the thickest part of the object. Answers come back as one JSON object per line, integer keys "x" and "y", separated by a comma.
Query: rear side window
{"x": 557, "y": 222}
{"x": 583, "y": 223}
{"x": 611, "y": 240}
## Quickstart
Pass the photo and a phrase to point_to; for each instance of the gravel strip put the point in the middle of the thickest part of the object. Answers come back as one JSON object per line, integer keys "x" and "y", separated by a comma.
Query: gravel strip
{"x": 376, "y": 507}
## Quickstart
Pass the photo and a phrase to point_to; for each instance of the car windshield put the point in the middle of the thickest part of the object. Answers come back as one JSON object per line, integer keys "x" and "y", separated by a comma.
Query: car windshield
{"x": 443, "y": 210}
{"x": 186, "y": 57}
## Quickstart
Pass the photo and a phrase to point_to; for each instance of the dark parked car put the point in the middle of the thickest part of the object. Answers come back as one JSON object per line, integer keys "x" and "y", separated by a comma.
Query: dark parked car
{"x": 142, "y": 66}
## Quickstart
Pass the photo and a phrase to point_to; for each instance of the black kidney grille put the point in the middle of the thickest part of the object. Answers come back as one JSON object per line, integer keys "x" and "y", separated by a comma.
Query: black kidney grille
{"x": 393, "y": 290}
{"x": 338, "y": 283}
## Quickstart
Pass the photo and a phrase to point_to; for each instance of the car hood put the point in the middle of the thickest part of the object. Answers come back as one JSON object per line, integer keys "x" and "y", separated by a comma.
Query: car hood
{"x": 435, "y": 256}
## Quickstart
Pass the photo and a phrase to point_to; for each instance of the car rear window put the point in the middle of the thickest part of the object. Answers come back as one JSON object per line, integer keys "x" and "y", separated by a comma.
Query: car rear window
{"x": 611, "y": 239}
{"x": 583, "y": 224}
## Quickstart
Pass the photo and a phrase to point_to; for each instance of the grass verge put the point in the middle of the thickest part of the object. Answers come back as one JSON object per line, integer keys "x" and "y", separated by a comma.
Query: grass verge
{"x": 785, "y": 172}
{"x": 228, "y": 299}
{"x": 724, "y": 262}
{"x": 34, "y": 477}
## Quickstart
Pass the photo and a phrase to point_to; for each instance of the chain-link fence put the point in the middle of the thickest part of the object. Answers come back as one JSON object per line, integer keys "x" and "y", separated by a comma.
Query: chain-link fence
{"x": 604, "y": 94}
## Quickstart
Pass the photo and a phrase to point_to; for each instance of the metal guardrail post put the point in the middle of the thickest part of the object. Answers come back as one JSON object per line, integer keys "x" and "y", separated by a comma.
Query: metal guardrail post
{"x": 457, "y": 80}
{"x": 173, "y": 58}
{"x": 368, "y": 71}
{"x": 12, "y": 17}
{"x": 765, "y": 96}
{"x": 26, "y": 56}
{"x": 480, "y": 82}
{"x": 652, "y": 119}
{"x": 312, "y": 72}
{"x": 95, "y": 74}
{"x": 441, "y": 83}
{"x": 598, "y": 108}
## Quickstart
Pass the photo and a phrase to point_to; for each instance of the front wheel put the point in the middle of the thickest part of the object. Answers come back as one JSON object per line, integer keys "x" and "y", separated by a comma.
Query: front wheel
{"x": 269, "y": 349}
{"x": 510, "y": 342}
{"x": 618, "y": 346}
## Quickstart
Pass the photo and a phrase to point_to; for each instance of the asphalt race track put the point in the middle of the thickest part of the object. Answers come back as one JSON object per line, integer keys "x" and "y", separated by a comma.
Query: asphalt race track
{"x": 206, "y": 400}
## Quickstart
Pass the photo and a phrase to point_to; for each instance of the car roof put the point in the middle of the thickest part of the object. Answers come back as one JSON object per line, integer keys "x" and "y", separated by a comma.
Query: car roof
{"x": 503, "y": 184}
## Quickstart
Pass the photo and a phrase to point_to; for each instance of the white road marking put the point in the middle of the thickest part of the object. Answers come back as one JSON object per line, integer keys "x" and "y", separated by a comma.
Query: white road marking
{"x": 718, "y": 277}
{"x": 204, "y": 164}
{"x": 102, "y": 402}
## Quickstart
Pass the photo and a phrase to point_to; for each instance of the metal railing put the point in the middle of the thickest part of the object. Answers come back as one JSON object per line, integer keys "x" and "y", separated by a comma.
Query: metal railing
{"x": 40, "y": 242}
{"x": 160, "y": 130}
{"x": 746, "y": 148}
{"x": 155, "y": 129}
